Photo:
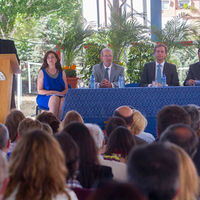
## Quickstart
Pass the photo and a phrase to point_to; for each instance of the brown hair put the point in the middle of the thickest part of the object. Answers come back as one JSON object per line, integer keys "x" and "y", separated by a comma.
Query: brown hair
{"x": 161, "y": 45}
{"x": 37, "y": 168}
{"x": 12, "y": 122}
{"x": 45, "y": 64}
{"x": 49, "y": 118}
{"x": 28, "y": 124}
{"x": 71, "y": 116}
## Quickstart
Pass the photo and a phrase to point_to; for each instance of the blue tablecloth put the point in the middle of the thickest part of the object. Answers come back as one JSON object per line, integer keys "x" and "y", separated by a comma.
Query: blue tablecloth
{"x": 97, "y": 105}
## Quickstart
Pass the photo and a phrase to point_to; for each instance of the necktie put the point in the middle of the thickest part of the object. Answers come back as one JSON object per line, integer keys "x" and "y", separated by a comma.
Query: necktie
{"x": 106, "y": 74}
{"x": 159, "y": 74}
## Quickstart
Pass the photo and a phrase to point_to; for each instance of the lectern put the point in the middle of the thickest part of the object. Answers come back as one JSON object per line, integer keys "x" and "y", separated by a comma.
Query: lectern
{"x": 8, "y": 66}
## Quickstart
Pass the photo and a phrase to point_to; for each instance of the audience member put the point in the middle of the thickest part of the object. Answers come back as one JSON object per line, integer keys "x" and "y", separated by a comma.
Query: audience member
{"x": 116, "y": 191}
{"x": 171, "y": 114}
{"x": 183, "y": 136}
{"x": 194, "y": 114}
{"x": 49, "y": 118}
{"x": 188, "y": 177}
{"x": 4, "y": 140}
{"x": 3, "y": 175}
{"x": 27, "y": 125}
{"x": 37, "y": 169}
{"x": 154, "y": 71}
{"x": 139, "y": 125}
{"x": 113, "y": 123}
{"x": 107, "y": 73}
{"x": 71, "y": 153}
{"x": 47, "y": 128}
{"x": 154, "y": 169}
{"x": 71, "y": 116}
{"x": 118, "y": 168}
{"x": 119, "y": 144}
{"x": 51, "y": 84}
{"x": 193, "y": 73}
{"x": 126, "y": 113}
{"x": 90, "y": 170}
{"x": 12, "y": 122}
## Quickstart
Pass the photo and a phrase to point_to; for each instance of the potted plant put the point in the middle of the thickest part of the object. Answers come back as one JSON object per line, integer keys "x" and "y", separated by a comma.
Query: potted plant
{"x": 70, "y": 72}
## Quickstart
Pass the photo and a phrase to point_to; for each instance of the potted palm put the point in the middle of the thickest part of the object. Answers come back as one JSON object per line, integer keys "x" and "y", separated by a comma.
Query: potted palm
{"x": 72, "y": 43}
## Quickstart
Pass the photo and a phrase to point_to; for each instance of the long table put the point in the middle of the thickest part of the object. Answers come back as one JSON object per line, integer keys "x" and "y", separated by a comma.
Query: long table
{"x": 97, "y": 105}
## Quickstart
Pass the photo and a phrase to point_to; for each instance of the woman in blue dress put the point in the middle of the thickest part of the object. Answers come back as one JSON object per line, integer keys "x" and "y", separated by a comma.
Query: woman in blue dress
{"x": 51, "y": 84}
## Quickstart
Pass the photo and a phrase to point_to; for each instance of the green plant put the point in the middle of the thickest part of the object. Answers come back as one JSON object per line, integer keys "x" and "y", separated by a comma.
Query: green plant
{"x": 139, "y": 54}
{"x": 91, "y": 57}
{"x": 70, "y": 71}
{"x": 74, "y": 38}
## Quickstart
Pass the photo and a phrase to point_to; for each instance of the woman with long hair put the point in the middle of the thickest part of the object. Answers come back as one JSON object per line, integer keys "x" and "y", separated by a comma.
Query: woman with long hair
{"x": 37, "y": 169}
{"x": 51, "y": 84}
{"x": 90, "y": 171}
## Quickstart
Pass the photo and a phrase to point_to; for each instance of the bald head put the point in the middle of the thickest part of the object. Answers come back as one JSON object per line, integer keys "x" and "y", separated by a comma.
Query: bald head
{"x": 126, "y": 113}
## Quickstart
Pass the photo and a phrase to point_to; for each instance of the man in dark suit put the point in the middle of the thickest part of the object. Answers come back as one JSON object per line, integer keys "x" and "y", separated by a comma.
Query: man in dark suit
{"x": 193, "y": 73}
{"x": 150, "y": 71}
{"x": 107, "y": 73}
{"x": 8, "y": 47}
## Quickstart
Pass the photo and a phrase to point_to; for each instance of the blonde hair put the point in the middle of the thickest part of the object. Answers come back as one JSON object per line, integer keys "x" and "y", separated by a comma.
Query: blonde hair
{"x": 188, "y": 177}
{"x": 37, "y": 168}
{"x": 139, "y": 122}
{"x": 71, "y": 116}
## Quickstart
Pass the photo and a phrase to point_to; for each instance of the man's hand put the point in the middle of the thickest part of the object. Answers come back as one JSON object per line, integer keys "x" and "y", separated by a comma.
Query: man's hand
{"x": 105, "y": 84}
{"x": 190, "y": 82}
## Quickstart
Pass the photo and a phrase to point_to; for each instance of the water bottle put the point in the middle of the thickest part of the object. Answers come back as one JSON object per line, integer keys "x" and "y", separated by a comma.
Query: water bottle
{"x": 121, "y": 81}
{"x": 92, "y": 82}
{"x": 163, "y": 79}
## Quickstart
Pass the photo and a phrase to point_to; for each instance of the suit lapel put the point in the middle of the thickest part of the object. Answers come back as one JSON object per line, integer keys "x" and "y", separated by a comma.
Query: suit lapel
{"x": 102, "y": 71}
{"x": 113, "y": 70}
{"x": 153, "y": 72}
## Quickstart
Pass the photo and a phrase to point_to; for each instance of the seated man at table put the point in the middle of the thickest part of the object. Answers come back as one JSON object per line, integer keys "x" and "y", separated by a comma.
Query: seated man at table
{"x": 107, "y": 73}
{"x": 193, "y": 73}
{"x": 154, "y": 71}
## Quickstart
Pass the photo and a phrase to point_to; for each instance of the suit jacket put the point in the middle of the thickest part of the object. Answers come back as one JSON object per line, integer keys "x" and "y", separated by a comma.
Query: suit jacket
{"x": 148, "y": 74}
{"x": 116, "y": 70}
{"x": 193, "y": 73}
{"x": 8, "y": 47}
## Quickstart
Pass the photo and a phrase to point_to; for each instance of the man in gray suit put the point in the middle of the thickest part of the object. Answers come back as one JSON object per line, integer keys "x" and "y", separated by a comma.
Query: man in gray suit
{"x": 151, "y": 72}
{"x": 193, "y": 73}
{"x": 107, "y": 73}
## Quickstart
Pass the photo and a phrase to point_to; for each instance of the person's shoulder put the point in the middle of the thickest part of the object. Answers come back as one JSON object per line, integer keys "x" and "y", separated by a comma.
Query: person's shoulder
{"x": 64, "y": 196}
{"x": 149, "y": 64}
{"x": 97, "y": 65}
{"x": 117, "y": 66}
{"x": 197, "y": 64}
{"x": 170, "y": 64}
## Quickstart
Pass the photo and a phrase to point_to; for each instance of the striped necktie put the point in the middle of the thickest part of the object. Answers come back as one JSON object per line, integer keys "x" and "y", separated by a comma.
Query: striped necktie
{"x": 106, "y": 73}
{"x": 158, "y": 78}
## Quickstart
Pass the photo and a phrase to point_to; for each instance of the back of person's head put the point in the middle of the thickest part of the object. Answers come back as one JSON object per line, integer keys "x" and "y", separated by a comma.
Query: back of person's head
{"x": 192, "y": 110}
{"x": 97, "y": 135}
{"x": 12, "y": 122}
{"x": 71, "y": 152}
{"x": 49, "y": 118}
{"x": 172, "y": 114}
{"x": 183, "y": 136}
{"x": 113, "y": 123}
{"x": 27, "y": 125}
{"x": 37, "y": 167}
{"x": 126, "y": 113}
{"x": 71, "y": 116}
{"x": 46, "y": 128}
{"x": 139, "y": 122}
{"x": 116, "y": 191}
{"x": 3, "y": 175}
{"x": 188, "y": 178}
{"x": 154, "y": 169}
{"x": 81, "y": 135}
{"x": 121, "y": 141}
{"x": 4, "y": 137}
